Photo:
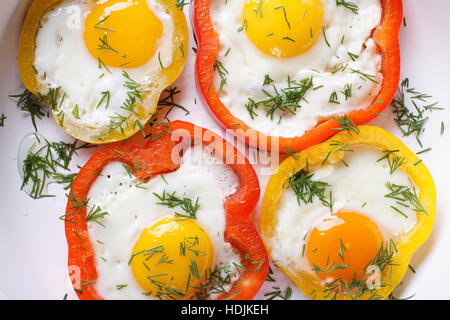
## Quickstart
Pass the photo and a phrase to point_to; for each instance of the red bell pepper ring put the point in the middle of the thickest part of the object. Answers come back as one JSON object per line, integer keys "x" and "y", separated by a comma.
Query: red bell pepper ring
{"x": 157, "y": 156}
{"x": 385, "y": 36}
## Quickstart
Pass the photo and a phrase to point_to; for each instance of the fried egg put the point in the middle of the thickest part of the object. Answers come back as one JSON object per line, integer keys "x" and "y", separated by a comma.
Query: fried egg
{"x": 285, "y": 66}
{"x": 333, "y": 238}
{"x": 103, "y": 64}
{"x": 147, "y": 249}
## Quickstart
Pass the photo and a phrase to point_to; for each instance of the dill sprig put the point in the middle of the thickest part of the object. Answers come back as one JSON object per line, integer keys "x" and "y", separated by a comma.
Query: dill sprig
{"x": 37, "y": 169}
{"x": 223, "y": 73}
{"x": 118, "y": 120}
{"x": 168, "y": 100}
{"x": 65, "y": 151}
{"x": 41, "y": 164}
{"x": 286, "y": 100}
{"x": 277, "y": 293}
{"x": 406, "y": 197}
{"x": 217, "y": 279}
{"x": 394, "y": 160}
{"x": 269, "y": 276}
{"x": 348, "y": 5}
{"x": 347, "y": 92}
{"x": 65, "y": 179}
{"x": 258, "y": 263}
{"x": 243, "y": 26}
{"x": 188, "y": 246}
{"x": 148, "y": 253}
{"x": 121, "y": 286}
{"x": 134, "y": 93}
{"x": 411, "y": 109}
{"x": 32, "y": 104}
{"x": 163, "y": 290}
{"x": 104, "y": 45}
{"x": 77, "y": 205}
{"x": 267, "y": 80}
{"x": 96, "y": 213}
{"x": 334, "y": 98}
{"x": 84, "y": 284}
{"x": 158, "y": 132}
{"x": 182, "y": 3}
{"x": 106, "y": 96}
{"x": 99, "y": 27}
{"x": 186, "y": 204}
{"x": 364, "y": 76}
{"x": 329, "y": 268}
{"x": 346, "y": 124}
{"x": 285, "y": 15}
{"x": 306, "y": 189}
{"x": 324, "y": 32}
{"x": 101, "y": 65}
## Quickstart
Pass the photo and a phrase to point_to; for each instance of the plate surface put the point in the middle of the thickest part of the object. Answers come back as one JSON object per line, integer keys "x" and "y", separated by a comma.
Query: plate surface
{"x": 33, "y": 247}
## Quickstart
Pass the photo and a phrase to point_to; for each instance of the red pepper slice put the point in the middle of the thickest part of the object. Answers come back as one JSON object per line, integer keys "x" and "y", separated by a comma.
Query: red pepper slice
{"x": 240, "y": 231}
{"x": 385, "y": 36}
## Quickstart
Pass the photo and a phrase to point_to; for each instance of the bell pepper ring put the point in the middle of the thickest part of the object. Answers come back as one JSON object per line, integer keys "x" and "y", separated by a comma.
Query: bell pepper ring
{"x": 385, "y": 36}
{"x": 160, "y": 155}
{"x": 322, "y": 154}
{"x": 142, "y": 105}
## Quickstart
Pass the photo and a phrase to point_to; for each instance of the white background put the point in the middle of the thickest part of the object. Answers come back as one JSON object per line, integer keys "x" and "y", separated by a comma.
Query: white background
{"x": 33, "y": 250}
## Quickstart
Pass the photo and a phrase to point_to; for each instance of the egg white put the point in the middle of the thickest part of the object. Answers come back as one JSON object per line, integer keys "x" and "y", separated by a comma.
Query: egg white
{"x": 360, "y": 187}
{"x": 247, "y": 66}
{"x": 63, "y": 60}
{"x": 132, "y": 209}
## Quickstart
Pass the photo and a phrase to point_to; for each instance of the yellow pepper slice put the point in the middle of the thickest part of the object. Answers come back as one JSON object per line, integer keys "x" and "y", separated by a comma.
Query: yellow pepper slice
{"x": 322, "y": 154}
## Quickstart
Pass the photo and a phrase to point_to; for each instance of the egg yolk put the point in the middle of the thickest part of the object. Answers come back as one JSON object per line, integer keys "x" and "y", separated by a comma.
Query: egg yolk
{"x": 342, "y": 246}
{"x": 122, "y": 33}
{"x": 172, "y": 258}
{"x": 283, "y": 28}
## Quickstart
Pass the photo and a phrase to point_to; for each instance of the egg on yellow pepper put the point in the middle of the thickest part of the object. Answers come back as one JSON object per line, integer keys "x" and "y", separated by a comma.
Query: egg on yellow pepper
{"x": 342, "y": 219}
{"x": 102, "y": 65}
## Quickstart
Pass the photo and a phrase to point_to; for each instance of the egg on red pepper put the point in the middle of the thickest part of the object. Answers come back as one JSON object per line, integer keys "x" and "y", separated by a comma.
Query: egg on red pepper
{"x": 284, "y": 71}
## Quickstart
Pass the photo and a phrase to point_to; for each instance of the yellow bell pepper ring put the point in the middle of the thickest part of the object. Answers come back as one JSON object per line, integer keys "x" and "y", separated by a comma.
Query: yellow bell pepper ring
{"x": 331, "y": 280}
{"x": 126, "y": 59}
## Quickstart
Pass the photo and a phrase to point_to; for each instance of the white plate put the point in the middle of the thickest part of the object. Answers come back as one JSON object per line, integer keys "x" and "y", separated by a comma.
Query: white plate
{"x": 33, "y": 250}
